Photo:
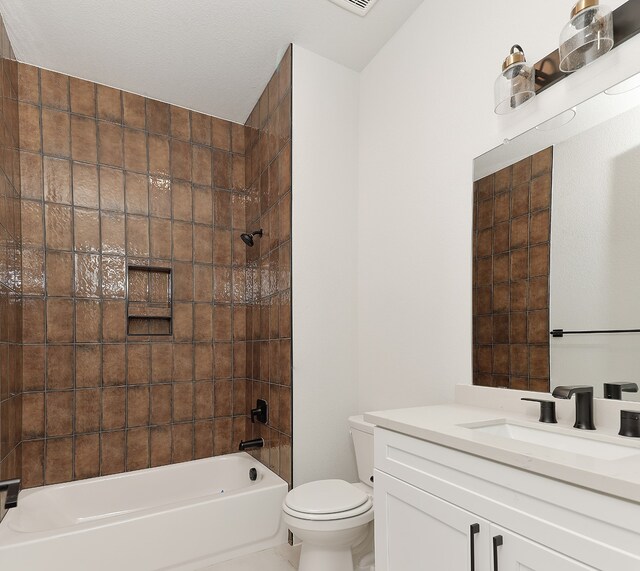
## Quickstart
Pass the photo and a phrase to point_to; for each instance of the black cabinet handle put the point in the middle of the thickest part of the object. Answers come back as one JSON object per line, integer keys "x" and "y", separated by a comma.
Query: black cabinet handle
{"x": 473, "y": 530}
{"x": 497, "y": 542}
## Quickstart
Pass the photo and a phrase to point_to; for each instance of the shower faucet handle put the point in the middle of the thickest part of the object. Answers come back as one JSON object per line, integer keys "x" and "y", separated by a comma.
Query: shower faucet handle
{"x": 261, "y": 412}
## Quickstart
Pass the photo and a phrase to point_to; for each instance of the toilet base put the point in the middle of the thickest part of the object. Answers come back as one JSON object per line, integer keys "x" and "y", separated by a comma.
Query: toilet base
{"x": 318, "y": 558}
{"x": 327, "y": 545}
{"x": 367, "y": 563}
{"x": 363, "y": 552}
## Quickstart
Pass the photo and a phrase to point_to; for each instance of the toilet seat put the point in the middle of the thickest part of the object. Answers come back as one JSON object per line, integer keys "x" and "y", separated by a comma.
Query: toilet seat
{"x": 367, "y": 506}
{"x": 327, "y": 500}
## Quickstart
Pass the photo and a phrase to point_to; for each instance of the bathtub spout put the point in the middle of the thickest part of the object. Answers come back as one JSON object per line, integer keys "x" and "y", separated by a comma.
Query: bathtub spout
{"x": 11, "y": 487}
{"x": 248, "y": 444}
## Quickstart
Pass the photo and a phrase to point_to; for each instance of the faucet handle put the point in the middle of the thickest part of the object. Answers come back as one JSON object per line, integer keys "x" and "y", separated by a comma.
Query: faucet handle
{"x": 547, "y": 410}
{"x": 261, "y": 412}
{"x": 629, "y": 423}
{"x": 614, "y": 390}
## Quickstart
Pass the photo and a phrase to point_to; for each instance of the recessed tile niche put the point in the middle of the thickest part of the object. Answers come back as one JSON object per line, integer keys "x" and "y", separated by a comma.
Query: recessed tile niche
{"x": 149, "y": 308}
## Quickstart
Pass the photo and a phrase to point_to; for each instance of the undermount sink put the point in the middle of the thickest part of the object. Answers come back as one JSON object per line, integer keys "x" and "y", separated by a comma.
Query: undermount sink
{"x": 558, "y": 441}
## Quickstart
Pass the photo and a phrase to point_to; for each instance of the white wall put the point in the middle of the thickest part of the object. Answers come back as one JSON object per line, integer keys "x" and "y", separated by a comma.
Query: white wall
{"x": 325, "y": 131}
{"x": 595, "y": 269}
{"x": 394, "y": 312}
{"x": 426, "y": 110}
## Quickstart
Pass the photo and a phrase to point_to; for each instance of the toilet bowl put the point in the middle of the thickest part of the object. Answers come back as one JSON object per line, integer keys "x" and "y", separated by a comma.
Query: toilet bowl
{"x": 331, "y": 517}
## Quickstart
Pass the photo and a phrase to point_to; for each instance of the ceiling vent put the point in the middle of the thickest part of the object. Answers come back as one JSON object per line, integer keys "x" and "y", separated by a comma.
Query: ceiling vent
{"x": 360, "y": 7}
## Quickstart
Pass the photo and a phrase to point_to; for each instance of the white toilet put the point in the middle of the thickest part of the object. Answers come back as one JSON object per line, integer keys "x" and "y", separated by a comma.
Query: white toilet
{"x": 333, "y": 516}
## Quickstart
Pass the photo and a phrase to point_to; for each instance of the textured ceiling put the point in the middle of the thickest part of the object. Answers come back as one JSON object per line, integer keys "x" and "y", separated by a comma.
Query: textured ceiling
{"x": 213, "y": 56}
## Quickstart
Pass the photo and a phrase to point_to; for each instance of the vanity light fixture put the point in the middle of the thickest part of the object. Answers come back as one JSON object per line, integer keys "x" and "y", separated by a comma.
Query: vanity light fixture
{"x": 516, "y": 84}
{"x": 587, "y": 36}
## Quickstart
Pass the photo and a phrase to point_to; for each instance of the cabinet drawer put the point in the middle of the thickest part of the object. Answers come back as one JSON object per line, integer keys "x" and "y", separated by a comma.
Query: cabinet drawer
{"x": 593, "y": 528}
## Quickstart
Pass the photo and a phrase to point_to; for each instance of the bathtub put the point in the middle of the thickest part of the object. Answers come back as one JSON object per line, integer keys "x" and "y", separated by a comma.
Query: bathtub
{"x": 183, "y": 516}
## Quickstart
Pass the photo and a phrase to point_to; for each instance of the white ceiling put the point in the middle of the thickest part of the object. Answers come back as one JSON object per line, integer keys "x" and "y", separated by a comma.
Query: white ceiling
{"x": 213, "y": 56}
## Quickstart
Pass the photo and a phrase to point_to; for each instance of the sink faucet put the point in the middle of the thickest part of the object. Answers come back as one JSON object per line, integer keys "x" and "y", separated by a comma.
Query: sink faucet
{"x": 615, "y": 390}
{"x": 584, "y": 404}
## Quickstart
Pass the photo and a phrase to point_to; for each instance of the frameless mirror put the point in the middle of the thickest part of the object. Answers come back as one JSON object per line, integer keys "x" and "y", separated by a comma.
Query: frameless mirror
{"x": 568, "y": 190}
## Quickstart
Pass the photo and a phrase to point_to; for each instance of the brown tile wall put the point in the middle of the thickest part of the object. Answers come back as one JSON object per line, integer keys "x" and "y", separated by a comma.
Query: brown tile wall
{"x": 511, "y": 233}
{"x": 10, "y": 267}
{"x": 268, "y": 168}
{"x": 114, "y": 179}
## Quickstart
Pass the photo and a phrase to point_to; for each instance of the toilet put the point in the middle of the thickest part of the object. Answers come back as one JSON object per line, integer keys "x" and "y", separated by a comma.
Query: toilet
{"x": 332, "y": 517}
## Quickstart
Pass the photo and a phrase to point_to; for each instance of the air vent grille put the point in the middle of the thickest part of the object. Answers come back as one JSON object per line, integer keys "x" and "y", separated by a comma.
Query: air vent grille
{"x": 360, "y": 7}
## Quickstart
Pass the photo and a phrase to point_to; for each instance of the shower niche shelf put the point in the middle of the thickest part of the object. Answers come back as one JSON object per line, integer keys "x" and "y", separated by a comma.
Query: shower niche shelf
{"x": 149, "y": 300}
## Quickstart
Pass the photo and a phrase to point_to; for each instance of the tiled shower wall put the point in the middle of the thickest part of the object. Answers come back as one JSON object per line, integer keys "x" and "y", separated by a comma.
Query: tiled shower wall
{"x": 111, "y": 180}
{"x": 268, "y": 169}
{"x": 511, "y": 233}
{"x": 10, "y": 266}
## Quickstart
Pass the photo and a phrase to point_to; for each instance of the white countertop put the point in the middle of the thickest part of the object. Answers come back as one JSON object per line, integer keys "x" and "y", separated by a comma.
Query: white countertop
{"x": 440, "y": 424}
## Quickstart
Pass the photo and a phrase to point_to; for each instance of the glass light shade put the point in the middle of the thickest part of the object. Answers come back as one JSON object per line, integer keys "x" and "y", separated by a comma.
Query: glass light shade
{"x": 586, "y": 37}
{"x": 515, "y": 86}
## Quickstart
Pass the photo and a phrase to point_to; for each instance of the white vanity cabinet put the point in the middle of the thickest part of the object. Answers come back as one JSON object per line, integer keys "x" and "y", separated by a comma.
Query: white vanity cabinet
{"x": 416, "y": 530}
{"x": 419, "y": 531}
{"x": 438, "y": 509}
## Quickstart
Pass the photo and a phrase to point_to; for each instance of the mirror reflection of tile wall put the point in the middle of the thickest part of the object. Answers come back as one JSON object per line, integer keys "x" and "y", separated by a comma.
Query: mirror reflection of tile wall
{"x": 511, "y": 252}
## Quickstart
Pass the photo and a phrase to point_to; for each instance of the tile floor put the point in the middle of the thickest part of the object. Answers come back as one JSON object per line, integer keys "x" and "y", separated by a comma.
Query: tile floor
{"x": 282, "y": 558}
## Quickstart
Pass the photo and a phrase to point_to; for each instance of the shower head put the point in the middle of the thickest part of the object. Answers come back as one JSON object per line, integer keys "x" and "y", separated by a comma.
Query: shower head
{"x": 248, "y": 238}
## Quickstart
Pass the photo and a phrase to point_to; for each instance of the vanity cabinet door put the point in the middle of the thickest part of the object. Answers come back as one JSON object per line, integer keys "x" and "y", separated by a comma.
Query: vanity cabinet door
{"x": 416, "y": 531}
{"x": 512, "y": 552}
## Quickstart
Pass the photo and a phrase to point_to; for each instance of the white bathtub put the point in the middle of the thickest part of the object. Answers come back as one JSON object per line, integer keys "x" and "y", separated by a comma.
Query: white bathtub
{"x": 184, "y": 516}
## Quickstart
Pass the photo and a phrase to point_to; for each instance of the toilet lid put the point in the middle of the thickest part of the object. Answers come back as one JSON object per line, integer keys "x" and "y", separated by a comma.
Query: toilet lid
{"x": 325, "y": 497}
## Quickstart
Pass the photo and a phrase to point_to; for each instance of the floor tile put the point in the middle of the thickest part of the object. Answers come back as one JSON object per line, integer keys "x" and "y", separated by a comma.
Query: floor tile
{"x": 278, "y": 559}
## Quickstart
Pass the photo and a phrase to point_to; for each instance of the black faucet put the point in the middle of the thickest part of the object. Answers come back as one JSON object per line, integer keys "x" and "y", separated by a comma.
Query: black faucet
{"x": 630, "y": 423}
{"x": 615, "y": 390}
{"x": 12, "y": 488}
{"x": 547, "y": 410}
{"x": 584, "y": 404}
{"x": 250, "y": 444}
{"x": 261, "y": 412}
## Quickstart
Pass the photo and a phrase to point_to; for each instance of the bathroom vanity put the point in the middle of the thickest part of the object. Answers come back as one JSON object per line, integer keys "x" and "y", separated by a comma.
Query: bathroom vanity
{"x": 462, "y": 487}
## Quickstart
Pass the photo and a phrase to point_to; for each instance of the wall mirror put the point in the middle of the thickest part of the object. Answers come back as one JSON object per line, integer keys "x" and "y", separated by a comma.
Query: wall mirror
{"x": 557, "y": 247}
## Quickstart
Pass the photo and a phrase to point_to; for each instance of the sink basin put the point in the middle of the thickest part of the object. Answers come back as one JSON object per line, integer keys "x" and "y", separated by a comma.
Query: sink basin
{"x": 556, "y": 440}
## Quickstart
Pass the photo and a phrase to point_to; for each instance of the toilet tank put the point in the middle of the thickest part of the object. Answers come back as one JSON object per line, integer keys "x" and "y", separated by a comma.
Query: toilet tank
{"x": 362, "y": 435}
